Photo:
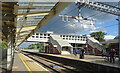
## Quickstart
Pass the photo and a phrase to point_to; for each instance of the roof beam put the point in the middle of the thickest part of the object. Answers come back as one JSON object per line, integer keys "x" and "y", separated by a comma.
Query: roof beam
{"x": 24, "y": 32}
{"x": 24, "y": 29}
{"x": 22, "y": 36}
{"x": 40, "y": 12}
{"x": 38, "y": 5}
{"x": 27, "y": 26}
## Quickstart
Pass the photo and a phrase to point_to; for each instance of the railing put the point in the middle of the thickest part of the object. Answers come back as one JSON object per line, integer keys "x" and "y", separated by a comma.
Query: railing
{"x": 54, "y": 42}
{"x": 95, "y": 44}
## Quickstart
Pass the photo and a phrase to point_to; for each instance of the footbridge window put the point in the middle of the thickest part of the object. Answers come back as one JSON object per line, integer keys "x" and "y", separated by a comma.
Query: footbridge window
{"x": 33, "y": 36}
{"x": 37, "y": 36}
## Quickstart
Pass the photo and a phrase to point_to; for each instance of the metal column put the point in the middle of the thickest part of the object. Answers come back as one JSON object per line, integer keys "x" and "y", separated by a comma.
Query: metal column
{"x": 9, "y": 52}
{"x": 119, "y": 31}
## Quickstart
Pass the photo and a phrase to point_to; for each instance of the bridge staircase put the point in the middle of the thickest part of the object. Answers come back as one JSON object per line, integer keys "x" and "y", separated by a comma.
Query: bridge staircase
{"x": 96, "y": 44}
{"x": 60, "y": 44}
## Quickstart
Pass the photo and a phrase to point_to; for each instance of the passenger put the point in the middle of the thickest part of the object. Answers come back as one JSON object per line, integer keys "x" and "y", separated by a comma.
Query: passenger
{"x": 81, "y": 52}
{"x": 75, "y": 51}
{"x": 112, "y": 55}
{"x": 107, "y": 54}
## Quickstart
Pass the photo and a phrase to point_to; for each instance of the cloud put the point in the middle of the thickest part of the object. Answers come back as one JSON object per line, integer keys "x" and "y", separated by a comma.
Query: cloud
{"x": 100, "y": 23}
{"x": 58, "y": 26}
{"x": 109, "y": 37}
{"x": 97, "y": 29}
{"x": 77, "y": 27}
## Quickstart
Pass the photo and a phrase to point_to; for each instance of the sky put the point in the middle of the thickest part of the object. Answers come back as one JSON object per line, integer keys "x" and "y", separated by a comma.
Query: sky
{"x": 102, "y": 22}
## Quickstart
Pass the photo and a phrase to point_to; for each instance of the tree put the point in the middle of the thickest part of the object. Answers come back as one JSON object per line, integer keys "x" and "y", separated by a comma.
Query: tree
{"x": 3, "y": 45}
{"x": 40, "y": 46}
{"x": 32, "y": 46}
{"x": 36, "y": 46}
{"x": 99, "y": 36}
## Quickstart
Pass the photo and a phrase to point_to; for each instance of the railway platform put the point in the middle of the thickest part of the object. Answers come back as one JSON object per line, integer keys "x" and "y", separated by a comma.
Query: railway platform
{"x": 89, "y": 58}
{"x": 26, "y": 62}
{"x": 23, "y": 64}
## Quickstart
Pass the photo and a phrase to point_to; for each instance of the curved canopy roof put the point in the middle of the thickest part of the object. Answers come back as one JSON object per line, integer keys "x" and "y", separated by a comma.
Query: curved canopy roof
{"x": 31, "y": 16}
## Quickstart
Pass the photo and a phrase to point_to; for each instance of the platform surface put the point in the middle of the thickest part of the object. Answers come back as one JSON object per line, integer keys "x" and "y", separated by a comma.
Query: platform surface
{"x": 23, "y": 64}
{"x": 18, "y": 64}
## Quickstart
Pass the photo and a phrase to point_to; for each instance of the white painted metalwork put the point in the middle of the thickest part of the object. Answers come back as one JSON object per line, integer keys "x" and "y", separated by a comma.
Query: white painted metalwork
{"x": 44, "y": 37}
{"x": 98, "y": 6}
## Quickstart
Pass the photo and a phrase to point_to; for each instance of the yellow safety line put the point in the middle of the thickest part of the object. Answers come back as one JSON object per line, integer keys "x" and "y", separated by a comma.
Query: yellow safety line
{"x": 25, "y": 64}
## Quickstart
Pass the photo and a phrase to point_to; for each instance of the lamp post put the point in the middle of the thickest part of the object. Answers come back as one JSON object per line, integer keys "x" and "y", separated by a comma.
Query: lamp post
{"x": 119, "y": 35}
{"x": 119, "y": 32}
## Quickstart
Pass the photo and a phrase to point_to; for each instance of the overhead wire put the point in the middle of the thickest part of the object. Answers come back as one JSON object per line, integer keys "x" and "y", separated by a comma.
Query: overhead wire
{"x": 93, "y": 15}
{"x": 74, "y": 23}
{"x": 63, "y": 14}
{"x": 110, "y": 25}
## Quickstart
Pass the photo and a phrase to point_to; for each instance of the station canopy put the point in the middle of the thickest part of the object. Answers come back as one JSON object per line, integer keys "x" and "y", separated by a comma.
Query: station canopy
{"x": 31, "y": 16}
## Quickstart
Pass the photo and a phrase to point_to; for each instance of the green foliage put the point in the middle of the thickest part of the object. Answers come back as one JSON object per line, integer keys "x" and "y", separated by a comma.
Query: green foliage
{"x": 99, "y": 36}
{"x": 3, "y": 45}
{"x": 32, "y": 46}
{"x": 41, "y": 46}
{"x": 36, "y": 46}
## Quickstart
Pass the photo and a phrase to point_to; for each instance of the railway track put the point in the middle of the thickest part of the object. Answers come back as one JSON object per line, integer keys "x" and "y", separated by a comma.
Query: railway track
{"x": 55, "y": 66}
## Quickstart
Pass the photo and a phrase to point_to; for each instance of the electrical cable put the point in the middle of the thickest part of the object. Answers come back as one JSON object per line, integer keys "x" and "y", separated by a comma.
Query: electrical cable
{"x": 110, "y": 25}
{"x": 93, "y": 15}
{"x": 63, "y": 14}
{"x": 88, "y": 16}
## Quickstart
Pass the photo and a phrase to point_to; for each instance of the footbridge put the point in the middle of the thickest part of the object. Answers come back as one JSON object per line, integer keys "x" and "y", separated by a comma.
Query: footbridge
{"x": 44, "y": 37}
{"x": 66, "y": 43}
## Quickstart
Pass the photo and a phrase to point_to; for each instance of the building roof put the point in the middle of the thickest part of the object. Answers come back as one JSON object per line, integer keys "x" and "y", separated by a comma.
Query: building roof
{"x": 117, "y": 37}
{"x": 111, "y": 41}
{"x": 61, "y": 42}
